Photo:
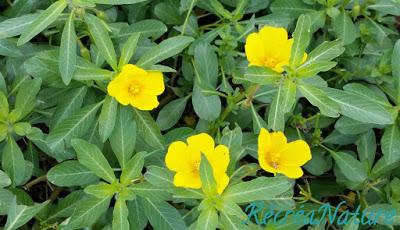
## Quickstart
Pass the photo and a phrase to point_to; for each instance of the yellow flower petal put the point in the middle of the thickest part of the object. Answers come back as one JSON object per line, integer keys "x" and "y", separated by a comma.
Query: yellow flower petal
{"x": 274, "y": 39}
{"x": 219, "y": 158}
{"x": 130, "y": 70}
{"x": 180, "y": 158}
{"x": 188, "y": 179}
{"x": 278, "y": 142}
{"x": 222, "y": 180}
{"x": 293, "y": 172}
{"x": 254, "y": 49}
{"x": 144, "y": 102}
{"x": 201, "y": 142}
{"x": 296, "y": 153}
{"x": 153, "y": 83}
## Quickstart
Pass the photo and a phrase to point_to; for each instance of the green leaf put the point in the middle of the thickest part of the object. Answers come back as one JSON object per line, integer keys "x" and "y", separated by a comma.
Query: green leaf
{"x": 8, "y": 48}
{"x": 4, "y": 179}
{"x": 232, "y": 222}
{"x": 136, "y": 215}
{"x": 162, "y": 215}
{"x": 87, "y": 71}
{"x": 133, "y": 168}
{"x": 123, "y": 138}
{"x": 164, "y": 50}
{"x": 159, "y": 176}
{"x": 88, "y": 212}
{"x": 208, "y": 219}
{"x": 206, "y": 65}
{"x": 13, "y": 162}
{"x": 301, "y": 36}
{"x": 313, "y": 69}
{"x": 390, "y": 144}
{"x": 148, "y": 129}
{"x": 317, "y": 97}
{"x": 116, "y": 2}
{"x": 359, "y": 108}
{"x": 261, "y": 188}
{"x": 74, "y": 126}
{"x": 128, "y": 49}
{"x": 120, "y": 216}
{"x": 171, "y": 113}
{"x": 4, "y": 109}
{"x": 66, "y": 206}
{"x": 42, "y": 21}
{"x": 258, "y": 121}
{"x": 71, "y": 173}
{"x": 326, "y": 51}
{"x": 91, "y": 157}
{"x": 14, "y": 26}
{"x": 100, "y": 190}
{"x": 294, "y": 8}
{"x": 107, "y": 118}
{"x": 344, "y": 28}
{"x": 386, "y": 7}
{"x": 261, "y": 75}
{"x": 351, "y": 168}
{"x": 18, "y": 215}
{"x": 147, "y": 190}
{"x": 209, "y": 185}
{"x": 67, "y": 60}
{"x": 147, "y": 28}
{"x": 98, "y": 30}
{"x": 26, "y": 97}
{"x": 396, "y": 68}
{"x": 206, "y": 107}
{"x": 366, "y": 148}
{"x": 282, "y": 104}
{"x": 68, "y": 107}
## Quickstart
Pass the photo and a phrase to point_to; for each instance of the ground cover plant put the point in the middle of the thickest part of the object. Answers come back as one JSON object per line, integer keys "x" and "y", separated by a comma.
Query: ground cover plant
{"x": 199, "y": 114}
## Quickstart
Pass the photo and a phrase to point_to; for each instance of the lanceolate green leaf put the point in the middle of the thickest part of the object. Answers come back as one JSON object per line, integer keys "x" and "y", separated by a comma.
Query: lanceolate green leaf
{"x": 164, "y": 50}
{"x": 42, "y": 21}
{"x": 128, "y": 49}
{"x": 390, "y": 144}
{"x": 262, "y": 188}
{"x": 359, "y": 108}
{"x": 116, "y": 2}
{"x": 14, "y": 26}
{"x": 350, "y": 167}
{"x": 396, "y": 69}
{"x": 120, "y": 216}
{"x": 132, "y": 169}
{"x": 71, "y": 173}
{"x": 88, "y": 212}
{"x": 327, "y": 51}
{"x": 107, "y": 118}
{"x": 209, "y": 185}
{"x": 208, "y": 219}
{"x": 317, "y": 97}
{"x": 92, "y": 158}
{"x": 344, "y": 28}
{"x": 148, "y": 128}
{"x": 261, "y": 75}
{"x": 97, "y": 29}
{"x": 74, "y": 126}
{"x": 301, "y": 36}
{"x": 282, "y": 104}
{"x": 162, "y": 215}
{"x": 26, "y": 97}
{"x": 123, "y": 137}
{"x": 4, "y": 180}
{"x": 171, "y": 113}
{"x": 13, "y": 161}
{"x": 18, "y": 215}
{"x": 68, "y": 46}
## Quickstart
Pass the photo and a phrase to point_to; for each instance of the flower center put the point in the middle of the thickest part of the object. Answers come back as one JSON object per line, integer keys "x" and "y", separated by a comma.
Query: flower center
{"x": 270, "y": 62}
{"x": 196, "y": 166}
{"x": 274, "y": 160}
{"x": 134, "y": 89}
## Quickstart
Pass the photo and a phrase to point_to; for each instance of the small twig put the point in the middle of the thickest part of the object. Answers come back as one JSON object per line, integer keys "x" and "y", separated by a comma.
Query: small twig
{"x": 34, "y": 182}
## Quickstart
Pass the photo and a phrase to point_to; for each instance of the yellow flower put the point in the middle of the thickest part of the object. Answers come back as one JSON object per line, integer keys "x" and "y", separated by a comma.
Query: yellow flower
{"x": 269, "y": 47}
{"x": 275, "y": 155}
{"x": 137, "y": 87}
{"x": 185, "y": 159}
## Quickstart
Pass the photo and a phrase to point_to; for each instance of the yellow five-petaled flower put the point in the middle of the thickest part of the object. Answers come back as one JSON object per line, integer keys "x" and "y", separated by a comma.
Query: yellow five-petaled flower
{"x": 137, "y": 87}
{"x": 185, "y": 160}
{"x": 270, "y": 47}
{"x": 275, "y": 155}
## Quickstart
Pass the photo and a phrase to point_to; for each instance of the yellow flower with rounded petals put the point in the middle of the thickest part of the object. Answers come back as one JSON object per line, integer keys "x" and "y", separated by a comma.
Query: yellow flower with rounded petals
{"x": 185, "y": 159}
{"x": 275, "y": 155}
{"x": 270, "y": 47}
{"x": 137, "y": 87}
